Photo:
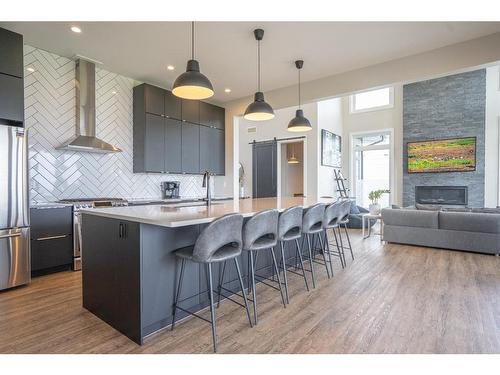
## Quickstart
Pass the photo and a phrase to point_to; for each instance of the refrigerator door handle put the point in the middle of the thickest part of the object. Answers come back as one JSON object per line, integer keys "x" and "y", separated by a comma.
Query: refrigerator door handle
{"x": 10, "y": 235}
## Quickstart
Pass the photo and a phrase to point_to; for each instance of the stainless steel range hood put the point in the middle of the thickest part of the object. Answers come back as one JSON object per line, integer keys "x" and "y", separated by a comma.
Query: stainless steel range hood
{"x": 85, "y": 139}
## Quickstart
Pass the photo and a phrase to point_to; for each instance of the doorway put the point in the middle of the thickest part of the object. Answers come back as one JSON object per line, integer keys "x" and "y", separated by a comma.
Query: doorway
{"x": 291, "y": 170}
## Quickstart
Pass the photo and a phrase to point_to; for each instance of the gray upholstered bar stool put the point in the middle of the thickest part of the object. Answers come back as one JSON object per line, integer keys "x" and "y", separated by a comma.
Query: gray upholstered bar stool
{"x": 312, "y": 224}
{"x": 260, "y": 233}
{"x": 344, "y": 214}
{"x": 331, "y": 220}
{"x": 220, "y": 241}
{"x": 290, "y": 229}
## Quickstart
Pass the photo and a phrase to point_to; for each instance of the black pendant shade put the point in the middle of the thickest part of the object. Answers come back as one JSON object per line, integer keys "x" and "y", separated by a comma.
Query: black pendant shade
{"x": 192, "y": 84}
{"x": 259, "y": 110}
{"x": 299, "y": 123}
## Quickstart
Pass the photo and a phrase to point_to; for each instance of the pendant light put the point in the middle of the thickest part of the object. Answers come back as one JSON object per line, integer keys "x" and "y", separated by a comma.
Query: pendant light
{"x": 293, "y": 159}
{"x": 192, "y": 84}
{"x": 299, "y": 123}
{"x": 259, "y": 110}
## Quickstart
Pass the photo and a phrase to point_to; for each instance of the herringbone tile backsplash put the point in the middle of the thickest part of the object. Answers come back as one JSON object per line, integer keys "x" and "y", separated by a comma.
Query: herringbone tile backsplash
{"x": 50, "y": 119}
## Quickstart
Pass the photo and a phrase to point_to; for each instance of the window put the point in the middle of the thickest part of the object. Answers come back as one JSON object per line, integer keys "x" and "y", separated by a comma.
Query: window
{"x": 371, "y": 157}
{"x": 372, "y": 100}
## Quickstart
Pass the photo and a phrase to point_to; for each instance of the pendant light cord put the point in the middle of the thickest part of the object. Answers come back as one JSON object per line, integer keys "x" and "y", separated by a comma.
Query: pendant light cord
{"x": 258, "y": 64}
{"x": 192, "y": 40}
{"x": 299, "y": 88}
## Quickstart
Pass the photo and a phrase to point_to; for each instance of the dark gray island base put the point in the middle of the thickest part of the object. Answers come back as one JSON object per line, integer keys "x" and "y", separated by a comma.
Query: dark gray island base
{"x": 129, "y": 273}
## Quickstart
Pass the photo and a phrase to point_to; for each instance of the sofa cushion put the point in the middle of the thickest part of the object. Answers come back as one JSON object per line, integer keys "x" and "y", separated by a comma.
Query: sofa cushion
{"x": 470, "y": 222}
{"x": 428, "y": 207}
{"x": 487, "y": 210}
{"x": 410, "y": 218}
{"x": 354, "y": 209}
{"x": 457, "y": 209}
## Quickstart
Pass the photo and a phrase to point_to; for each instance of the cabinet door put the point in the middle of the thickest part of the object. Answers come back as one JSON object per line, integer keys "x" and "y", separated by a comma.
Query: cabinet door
{"x": 48, "y": 222}
{"x": 53, "y": 251}
{"x": 11, "y": 100}
{"x": 173, "y": 106}
{"x": 191, "y": 111}
{"x": 219, "y": 146}
{"x": 173, "y": 146}
{"x": 11, "y": 56}
{"x": 219, "y": 117}
{"x": 190, "y": 148}
{"x": 154, "y": 99}
{"x": 206, "y": 149}
{"x": 154, "y": 144}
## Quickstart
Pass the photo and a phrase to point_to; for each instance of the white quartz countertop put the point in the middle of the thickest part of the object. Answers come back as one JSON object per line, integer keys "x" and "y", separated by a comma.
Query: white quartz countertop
{"x": 173, "y": 216}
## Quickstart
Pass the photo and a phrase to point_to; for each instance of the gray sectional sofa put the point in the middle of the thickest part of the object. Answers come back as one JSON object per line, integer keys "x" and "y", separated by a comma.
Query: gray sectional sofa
{"x": 468, "y": 231}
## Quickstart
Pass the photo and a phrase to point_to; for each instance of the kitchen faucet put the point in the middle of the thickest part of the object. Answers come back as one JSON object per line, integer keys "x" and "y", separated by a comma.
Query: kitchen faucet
{"x": 206, "y": 183}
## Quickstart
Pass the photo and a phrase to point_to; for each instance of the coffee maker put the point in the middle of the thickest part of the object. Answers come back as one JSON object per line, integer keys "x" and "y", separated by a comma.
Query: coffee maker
{"x": 170, "y": 189}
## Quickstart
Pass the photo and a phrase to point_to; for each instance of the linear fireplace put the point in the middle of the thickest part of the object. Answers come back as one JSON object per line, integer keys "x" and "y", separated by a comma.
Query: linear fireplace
{"x": 443, "y": 195}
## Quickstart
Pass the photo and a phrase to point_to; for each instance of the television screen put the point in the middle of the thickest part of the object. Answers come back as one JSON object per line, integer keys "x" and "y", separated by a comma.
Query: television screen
{"x": 443, "y": 155}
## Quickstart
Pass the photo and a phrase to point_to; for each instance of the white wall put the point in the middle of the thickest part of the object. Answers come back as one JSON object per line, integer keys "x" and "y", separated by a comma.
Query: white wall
{"x": 329, "y": 118}
{"x": 391, "y": 118}
{"x": 491, "y": 152}
{"x": 277, "y": 127}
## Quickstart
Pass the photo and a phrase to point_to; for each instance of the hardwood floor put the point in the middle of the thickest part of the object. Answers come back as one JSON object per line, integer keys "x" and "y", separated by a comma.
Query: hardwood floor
{"x": 390, "y": 299}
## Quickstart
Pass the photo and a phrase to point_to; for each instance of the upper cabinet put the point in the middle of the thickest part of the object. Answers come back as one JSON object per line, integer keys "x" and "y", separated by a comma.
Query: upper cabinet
{"x": 212, "y": 116}
{"x": 11, "y": 53}
{"x": 11, "y": 79}
{"x": 173, "y": 135}
{"x": 191, "y": 111}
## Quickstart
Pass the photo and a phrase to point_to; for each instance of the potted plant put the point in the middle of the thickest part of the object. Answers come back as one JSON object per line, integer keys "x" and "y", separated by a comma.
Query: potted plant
{"x": 374, "y": 197}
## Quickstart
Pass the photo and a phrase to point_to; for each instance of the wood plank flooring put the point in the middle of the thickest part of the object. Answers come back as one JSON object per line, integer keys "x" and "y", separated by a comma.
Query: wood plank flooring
{"x": 390, "y": 299}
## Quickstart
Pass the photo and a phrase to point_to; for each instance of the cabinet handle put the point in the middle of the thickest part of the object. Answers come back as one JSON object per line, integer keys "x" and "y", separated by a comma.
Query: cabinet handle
{"x": 122, "y": 233}
{"x": 51, "y": 237}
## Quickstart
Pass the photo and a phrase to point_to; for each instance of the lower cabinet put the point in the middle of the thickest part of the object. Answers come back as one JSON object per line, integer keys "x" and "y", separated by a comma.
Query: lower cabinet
{"x": 51, "y": 253}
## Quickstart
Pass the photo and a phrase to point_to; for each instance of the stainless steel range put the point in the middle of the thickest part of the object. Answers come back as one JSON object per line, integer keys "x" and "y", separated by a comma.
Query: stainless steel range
{"x": 78, "y": 204}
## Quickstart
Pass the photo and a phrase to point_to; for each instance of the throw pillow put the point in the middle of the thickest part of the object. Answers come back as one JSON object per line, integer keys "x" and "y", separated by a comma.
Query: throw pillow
{"x": 354, "y": 209}
{"x": 395, "y": 207}
{"x": 428, "y": 207}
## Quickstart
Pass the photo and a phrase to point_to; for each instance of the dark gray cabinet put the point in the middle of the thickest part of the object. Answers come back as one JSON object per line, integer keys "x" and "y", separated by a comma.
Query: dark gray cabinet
{"x": 154, "y": 100}
{"x": 212, "y": 116}
{"x": 173, "y": 106}
{"x": 191, "y": 111}
{"x": 190, "y": 148}
{"x": 212, "y": 156}
{"x": 11, "y": 53}
{"x": 11, "y": 79}
{"x": 168, "y": 137}
{"x": 51, "y": 239}
{"x": 154, "y": 144}
{"x": 173, "y": 146}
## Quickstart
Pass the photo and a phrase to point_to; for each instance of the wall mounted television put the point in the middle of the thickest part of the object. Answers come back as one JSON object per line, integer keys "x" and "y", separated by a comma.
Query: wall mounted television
{"x": 442, "y": 155}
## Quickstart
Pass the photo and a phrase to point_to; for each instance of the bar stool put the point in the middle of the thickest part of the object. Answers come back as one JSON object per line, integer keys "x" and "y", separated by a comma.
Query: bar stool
{"x": 220, "y": 241}
{"x": 312, "y": 224}
{"x": 290, "y": 229}
{"x": 260, "y": 233}
{"x": 331, "y": 219}
{"x": 344, "y": 215}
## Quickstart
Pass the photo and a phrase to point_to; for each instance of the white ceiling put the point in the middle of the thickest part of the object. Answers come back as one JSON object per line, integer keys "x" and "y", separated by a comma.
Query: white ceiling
{"x": 227, "y": 50}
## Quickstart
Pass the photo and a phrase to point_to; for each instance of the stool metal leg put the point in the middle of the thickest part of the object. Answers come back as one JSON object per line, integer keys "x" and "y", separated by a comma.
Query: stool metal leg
{"x": 179, "y": 287}
{"x": 221, "y": 281}
{"x": 283, "y": 259}
{"x": 327, "y": 246}
{"x": 338, "y": 248}
{"x": 254, "y": 294}
{"x": 299, "y": 253}
{"x": 341, "y": 245}
{"x": 275, "y": 263}
{"x": 212, "y": 309}
{"x": 348, "y": 241}
{"x": 323, "y": 253}
{"x": 243, "y": 291}
{"x": 311, "y": 260}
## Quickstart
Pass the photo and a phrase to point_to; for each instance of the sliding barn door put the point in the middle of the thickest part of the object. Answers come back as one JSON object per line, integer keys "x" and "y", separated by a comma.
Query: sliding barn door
{"x": 264, "y": 169}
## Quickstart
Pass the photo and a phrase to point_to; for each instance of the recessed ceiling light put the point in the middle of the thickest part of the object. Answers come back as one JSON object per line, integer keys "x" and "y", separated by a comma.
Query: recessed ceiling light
{"x": 76, "y": 29}
{"x": 170, "y": 67}
{"x": 31, "y": 70}
{"x": 113, "y": 92}
{"x": 227, "y": 90}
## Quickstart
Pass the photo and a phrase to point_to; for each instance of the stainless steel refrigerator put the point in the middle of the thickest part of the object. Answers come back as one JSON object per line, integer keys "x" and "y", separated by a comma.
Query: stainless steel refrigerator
{"x": 15, "y": 268}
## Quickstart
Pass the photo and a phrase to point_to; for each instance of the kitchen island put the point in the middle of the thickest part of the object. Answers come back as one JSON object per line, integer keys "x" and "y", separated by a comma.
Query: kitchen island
{"x": 129, "y": 270}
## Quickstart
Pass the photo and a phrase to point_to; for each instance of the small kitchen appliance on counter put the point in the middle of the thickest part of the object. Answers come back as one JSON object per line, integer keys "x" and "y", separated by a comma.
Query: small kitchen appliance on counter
{"x": 170, "y": 189}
